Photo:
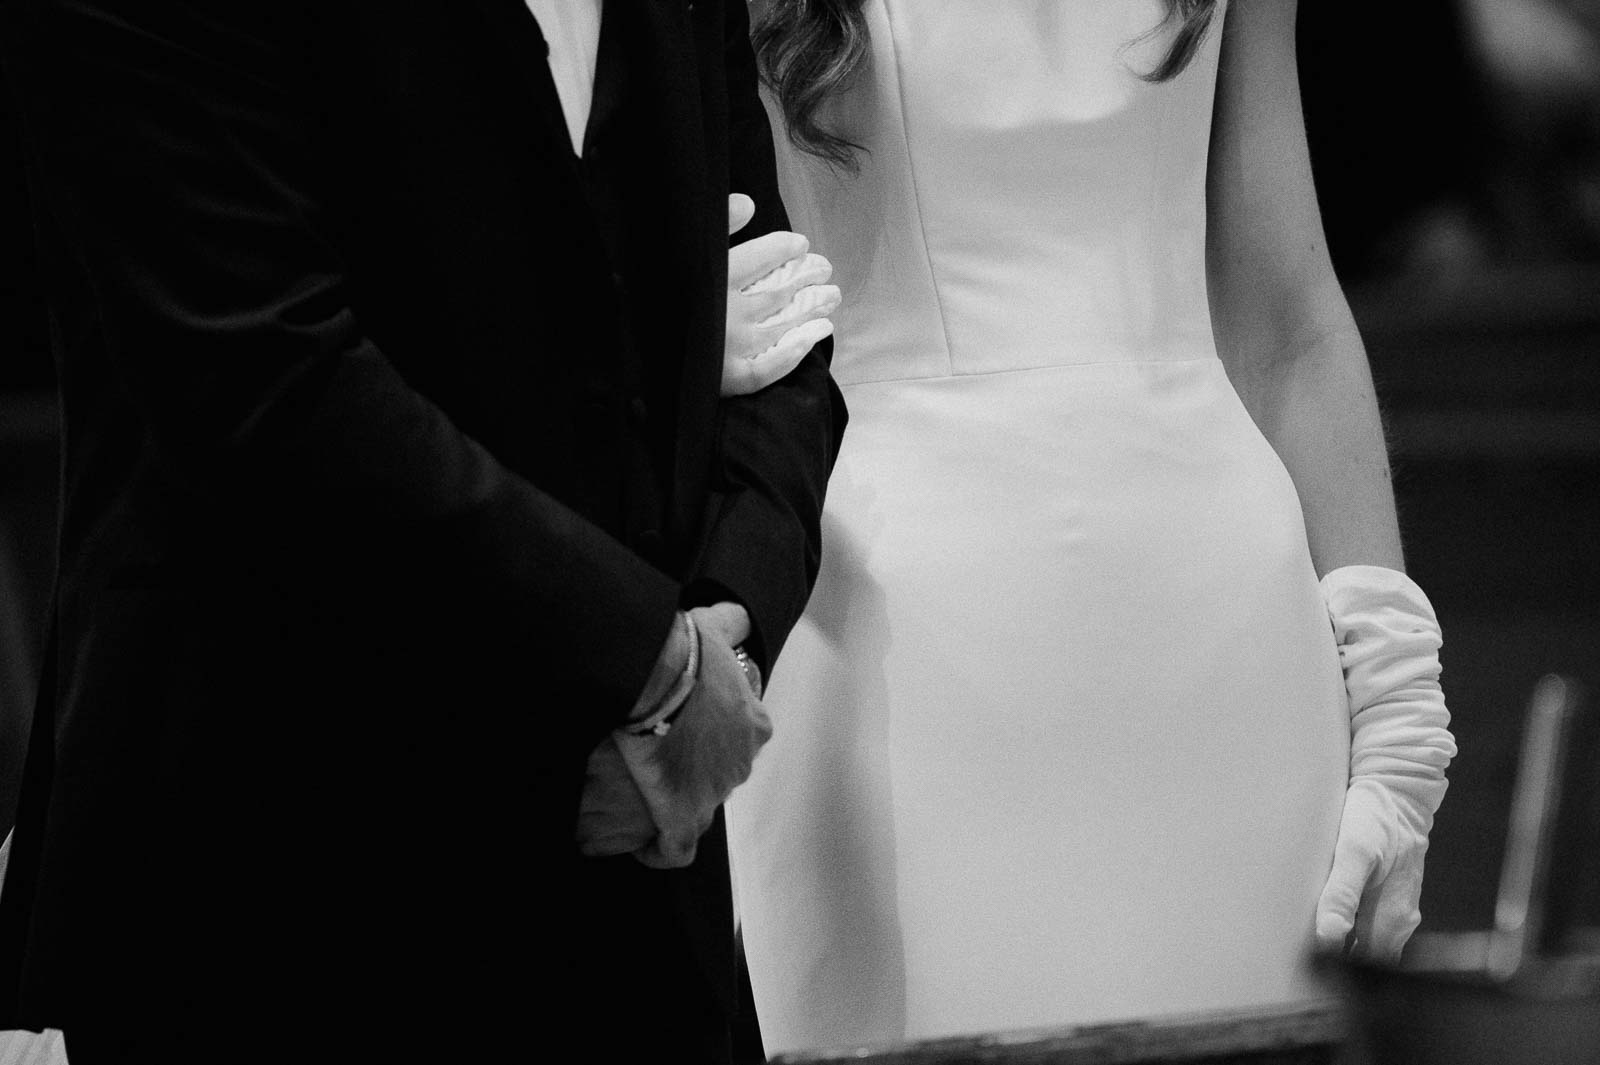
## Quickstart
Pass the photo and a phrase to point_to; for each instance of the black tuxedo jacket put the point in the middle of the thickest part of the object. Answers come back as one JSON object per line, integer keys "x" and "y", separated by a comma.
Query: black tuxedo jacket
{"x": 355, "y": 565}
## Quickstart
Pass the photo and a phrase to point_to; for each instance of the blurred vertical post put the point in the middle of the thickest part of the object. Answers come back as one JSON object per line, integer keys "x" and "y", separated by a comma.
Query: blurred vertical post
{"x": 1535, "y": 803}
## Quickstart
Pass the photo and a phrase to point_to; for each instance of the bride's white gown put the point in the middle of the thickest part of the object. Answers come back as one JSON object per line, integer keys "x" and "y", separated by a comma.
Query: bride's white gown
{"x": 1062, "y": 737}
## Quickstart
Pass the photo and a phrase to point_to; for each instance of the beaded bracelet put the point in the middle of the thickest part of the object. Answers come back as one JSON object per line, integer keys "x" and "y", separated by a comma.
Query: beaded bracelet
{"x": 752, "y": 672}
{"x": 660, "y": 720}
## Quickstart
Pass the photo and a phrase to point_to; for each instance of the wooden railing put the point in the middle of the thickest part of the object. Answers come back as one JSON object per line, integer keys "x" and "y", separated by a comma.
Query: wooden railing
{"x": 1302, "y": 1034}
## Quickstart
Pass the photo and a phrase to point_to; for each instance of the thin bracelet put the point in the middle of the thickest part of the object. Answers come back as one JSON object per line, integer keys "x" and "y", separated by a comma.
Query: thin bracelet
{"x": 660, "y": 721}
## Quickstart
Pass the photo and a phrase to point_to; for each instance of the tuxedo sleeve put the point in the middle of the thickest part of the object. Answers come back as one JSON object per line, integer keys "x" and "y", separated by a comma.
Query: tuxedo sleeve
{"x": 777, "y": 446}
{"x": 175, "y": 145}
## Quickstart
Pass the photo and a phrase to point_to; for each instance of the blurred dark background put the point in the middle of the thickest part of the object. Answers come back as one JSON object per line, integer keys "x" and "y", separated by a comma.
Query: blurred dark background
{"x": 27, "y": 464}
{"x": 1456, "y": 148}
{"x": 1456, "y": 145}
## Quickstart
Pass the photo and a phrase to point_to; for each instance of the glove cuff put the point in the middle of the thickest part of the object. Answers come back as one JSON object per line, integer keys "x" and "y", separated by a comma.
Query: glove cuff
{"x": 1351, "y": 591}
{"x": 1388, "y": 639}
{"x": 1386, "y": 631}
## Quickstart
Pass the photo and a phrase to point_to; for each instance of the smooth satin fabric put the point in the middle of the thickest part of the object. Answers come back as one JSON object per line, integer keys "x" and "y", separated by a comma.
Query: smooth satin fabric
{"x": 1062, "y": 737}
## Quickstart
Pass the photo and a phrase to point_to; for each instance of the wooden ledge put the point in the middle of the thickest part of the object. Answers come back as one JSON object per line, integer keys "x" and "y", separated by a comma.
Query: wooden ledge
{"x": 1301, "y": 1034}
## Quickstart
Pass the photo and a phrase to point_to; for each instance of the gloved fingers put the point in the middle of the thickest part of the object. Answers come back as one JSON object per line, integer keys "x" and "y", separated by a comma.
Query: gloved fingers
{"x": 810, "y": 269}
{"x": 797, "y": 342}
{"x": 773, "y": 296}
{"x": 752, "y": 375}
{"x": 812, "y": 301}
{"x": 754, "y": 309}
{"x": 1389, "y": 914}
{"x": 793, "y": 275}
{"x": 741, "y": 209}
{"x": 1353, "y": 863}
{"x": 809, "y": 304}
{"x": 754, "y": 259}
{"x": 741, "y": 377}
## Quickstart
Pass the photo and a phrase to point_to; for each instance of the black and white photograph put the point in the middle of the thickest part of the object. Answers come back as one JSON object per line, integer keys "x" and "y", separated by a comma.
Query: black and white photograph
{"x": 892, "y": 532}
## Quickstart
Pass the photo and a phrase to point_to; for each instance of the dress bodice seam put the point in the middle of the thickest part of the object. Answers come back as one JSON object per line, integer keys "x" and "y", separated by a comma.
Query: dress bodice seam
{"x": 916, "y": 192}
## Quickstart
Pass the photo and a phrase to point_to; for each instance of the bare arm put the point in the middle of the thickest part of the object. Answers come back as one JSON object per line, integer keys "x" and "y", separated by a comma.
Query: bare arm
{"x": 1283, "y": 328}
{"x": 1291, "y": 348}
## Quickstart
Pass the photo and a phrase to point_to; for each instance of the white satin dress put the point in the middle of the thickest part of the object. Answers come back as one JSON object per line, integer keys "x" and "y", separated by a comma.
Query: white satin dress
{"x": 1062, "y": 736}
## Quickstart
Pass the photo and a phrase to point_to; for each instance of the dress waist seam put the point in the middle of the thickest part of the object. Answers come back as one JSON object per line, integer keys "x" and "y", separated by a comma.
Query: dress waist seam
{"x": 844, "y": 381}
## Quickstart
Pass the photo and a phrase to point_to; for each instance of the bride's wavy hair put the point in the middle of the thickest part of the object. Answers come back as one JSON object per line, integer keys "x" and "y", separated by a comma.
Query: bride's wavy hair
{"x": 809, "y": 48}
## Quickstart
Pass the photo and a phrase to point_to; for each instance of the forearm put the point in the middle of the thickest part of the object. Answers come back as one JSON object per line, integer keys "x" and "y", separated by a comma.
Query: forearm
{"x": 1282, "y": 325}
{"x": 1318, "y": 409}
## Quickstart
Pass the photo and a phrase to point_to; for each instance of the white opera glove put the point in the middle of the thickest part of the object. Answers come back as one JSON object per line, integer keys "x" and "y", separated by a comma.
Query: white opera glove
{"x": 778, "y": 304}
{"x": 1388, "y": 640}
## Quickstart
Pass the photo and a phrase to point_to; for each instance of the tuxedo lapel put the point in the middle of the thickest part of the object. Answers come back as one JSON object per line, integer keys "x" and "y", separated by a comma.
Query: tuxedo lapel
{"x": 663, "y": 66}
{"x": 676, "y": 178}
{"x": 518, "y": 40}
